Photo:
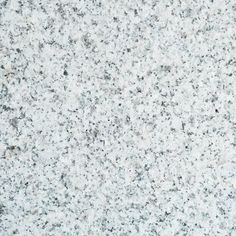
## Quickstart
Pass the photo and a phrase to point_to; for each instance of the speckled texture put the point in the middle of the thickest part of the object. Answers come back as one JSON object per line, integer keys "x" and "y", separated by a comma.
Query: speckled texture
{"x": 117, "y": 118}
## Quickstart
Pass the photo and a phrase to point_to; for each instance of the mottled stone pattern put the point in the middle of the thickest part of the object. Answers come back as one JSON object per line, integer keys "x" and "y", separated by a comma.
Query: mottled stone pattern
{"x": 117, "y": 117}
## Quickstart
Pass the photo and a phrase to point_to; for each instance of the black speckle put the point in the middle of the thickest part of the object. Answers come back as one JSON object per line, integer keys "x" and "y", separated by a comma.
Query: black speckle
{"x": 12, "y": 148}
{"x": 139, "y": 90}
{"x": 2, "y": 207}
{"x": 2, "y": 67}
{"x": 18, "y": 50}
{"x": 62, "y": 176}
{"x": 15, "y": 231}
{"x": 167, "y": 213}
{"x": 136, "y": 12}
{"x": 128, "y": 49}
{"x": 4, "y": 3}
{"x": 65, "y": 73}
{"x": 107, "y": 77}
{"x": 216, "y": 110}
{"x": 6, "y": 108}
{"x": 165, "y": 68}
{"x": 163, "y": 104}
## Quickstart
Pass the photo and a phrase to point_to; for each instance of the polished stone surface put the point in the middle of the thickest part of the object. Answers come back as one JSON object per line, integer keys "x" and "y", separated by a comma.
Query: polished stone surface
{"x": 117, "y": 118}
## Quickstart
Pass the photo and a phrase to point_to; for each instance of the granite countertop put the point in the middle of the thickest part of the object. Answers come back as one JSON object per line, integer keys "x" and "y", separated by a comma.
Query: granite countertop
{"x": 117, "y": 118}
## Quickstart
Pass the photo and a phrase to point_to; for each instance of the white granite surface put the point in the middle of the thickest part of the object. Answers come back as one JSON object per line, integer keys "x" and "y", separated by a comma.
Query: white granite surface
{"x": 117, "y": 117}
